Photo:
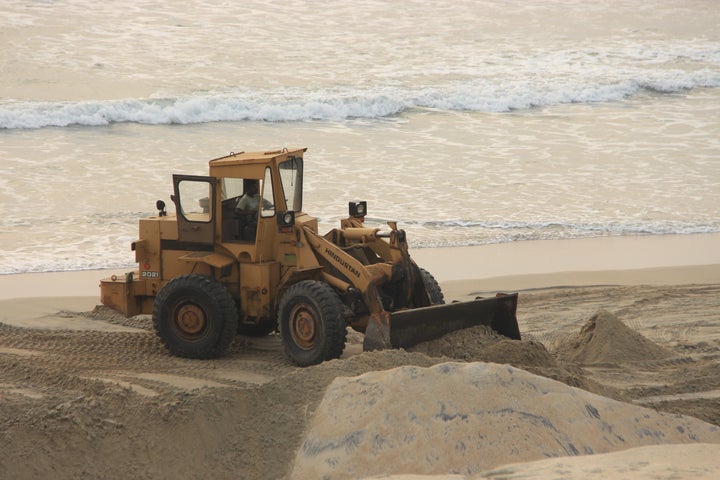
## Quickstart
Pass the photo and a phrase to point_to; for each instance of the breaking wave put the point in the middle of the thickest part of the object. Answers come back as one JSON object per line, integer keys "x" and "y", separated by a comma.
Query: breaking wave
{"x": 291, "y": 105}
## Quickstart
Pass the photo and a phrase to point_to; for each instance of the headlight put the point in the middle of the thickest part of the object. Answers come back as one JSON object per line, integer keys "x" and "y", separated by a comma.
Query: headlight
{"x": 285, "y": 221}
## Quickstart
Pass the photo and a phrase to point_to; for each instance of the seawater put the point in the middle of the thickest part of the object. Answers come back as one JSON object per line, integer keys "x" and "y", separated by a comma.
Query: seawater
{"x": 469, "y": 122}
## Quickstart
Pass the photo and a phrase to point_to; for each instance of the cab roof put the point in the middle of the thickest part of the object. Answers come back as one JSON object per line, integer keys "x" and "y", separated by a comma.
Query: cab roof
{"x": 250, "y": 158}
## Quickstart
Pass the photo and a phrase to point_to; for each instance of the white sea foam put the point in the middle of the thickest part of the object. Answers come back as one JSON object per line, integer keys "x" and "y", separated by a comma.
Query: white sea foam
{"x": 480, "y": 95}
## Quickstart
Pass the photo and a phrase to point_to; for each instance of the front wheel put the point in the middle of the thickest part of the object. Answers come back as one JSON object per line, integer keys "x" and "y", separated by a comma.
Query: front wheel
{"x": 312, "y": 323}
{"x": 195, "y": 317}
{"x": 433, "y": 287}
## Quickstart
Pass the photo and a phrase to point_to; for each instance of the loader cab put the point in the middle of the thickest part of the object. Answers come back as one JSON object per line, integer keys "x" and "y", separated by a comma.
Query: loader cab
{"x": 238, "y": 203}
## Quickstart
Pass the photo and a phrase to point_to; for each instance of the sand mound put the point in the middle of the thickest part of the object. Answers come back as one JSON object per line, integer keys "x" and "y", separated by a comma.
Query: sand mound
{"x": 663, "y": 462}
{"x": 456, "y": 418}
{"x": 659, "y": 462}
{"x": 605, "y": 339}
{"x": 483, "y": 344}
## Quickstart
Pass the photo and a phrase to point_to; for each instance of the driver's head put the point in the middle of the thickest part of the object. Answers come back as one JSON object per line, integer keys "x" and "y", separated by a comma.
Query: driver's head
{"x": 251, "y": 186}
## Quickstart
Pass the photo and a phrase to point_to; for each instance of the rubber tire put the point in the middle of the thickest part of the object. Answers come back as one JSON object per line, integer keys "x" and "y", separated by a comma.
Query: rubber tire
{"x": 318, "y": 302}
{"x": 202, "y": 297}
{"x": 433, "y": 287}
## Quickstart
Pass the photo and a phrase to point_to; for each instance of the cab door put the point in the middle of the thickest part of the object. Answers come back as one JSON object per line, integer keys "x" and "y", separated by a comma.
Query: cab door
{"x": 195, "y": 204}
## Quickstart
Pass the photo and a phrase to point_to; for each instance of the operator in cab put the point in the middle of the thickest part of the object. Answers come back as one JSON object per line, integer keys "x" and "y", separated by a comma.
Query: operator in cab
{"x": 247, "y": 209}
{"x": 249, "y": 203}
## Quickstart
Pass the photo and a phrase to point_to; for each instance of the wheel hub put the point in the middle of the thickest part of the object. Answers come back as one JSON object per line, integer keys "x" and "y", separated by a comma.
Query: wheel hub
{"x": 303, "y": 327}
{"x": 190, "y": 320}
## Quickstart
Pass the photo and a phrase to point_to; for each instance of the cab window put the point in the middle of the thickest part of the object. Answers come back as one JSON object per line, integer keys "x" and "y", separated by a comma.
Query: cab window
{"x": 268, "y": 198}
{"x": 195, "y": 204}
{"x": 291, "y": 177}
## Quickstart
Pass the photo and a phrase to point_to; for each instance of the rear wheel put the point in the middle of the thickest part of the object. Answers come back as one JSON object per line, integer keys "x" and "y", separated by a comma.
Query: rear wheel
{"x": 195, "y": 317}
{"x": 433, "y": 287}
{"x": 312, "y": 323}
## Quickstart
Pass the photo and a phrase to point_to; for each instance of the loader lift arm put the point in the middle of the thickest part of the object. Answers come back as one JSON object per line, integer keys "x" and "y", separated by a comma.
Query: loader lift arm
{"x": 421, "y": 322}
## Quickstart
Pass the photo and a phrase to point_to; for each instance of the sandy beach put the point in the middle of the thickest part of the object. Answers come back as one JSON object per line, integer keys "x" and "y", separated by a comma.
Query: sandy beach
{"x": 621, "y": 336}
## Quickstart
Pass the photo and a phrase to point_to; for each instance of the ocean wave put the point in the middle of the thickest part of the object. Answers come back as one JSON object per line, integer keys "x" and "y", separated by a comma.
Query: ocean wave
{"x": 639, "y": 227}
{"x": 336, "y": 104}
{"x": 458, "y": 232}
{"x": 453, "y": 233}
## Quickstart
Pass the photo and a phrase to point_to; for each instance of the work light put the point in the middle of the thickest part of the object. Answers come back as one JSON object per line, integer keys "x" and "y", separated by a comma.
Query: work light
{"x": 358, "y": 209}
{"x": 285, "y": 221}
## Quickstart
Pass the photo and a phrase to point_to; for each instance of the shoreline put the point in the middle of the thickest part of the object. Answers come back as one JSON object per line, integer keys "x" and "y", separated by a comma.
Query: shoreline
{"x": 593, "y": 254}
{"x": 531, "y": 264}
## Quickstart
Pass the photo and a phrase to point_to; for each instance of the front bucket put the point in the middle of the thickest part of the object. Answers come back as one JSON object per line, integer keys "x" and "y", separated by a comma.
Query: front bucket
{"x": 413, "y": 326}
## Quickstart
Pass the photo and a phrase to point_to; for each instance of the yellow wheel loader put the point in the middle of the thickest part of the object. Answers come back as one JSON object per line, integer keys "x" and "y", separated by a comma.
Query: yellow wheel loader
{"x": 240, "y": 256}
